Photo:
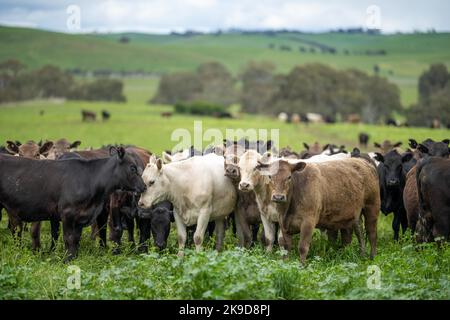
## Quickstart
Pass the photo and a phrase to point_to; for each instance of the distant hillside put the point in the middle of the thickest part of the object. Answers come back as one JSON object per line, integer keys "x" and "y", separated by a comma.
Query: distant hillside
{"x": 401, "y": 57}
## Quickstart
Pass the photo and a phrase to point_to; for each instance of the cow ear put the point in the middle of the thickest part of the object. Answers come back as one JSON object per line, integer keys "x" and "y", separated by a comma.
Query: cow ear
{"x": 306, "y": 145}
{"x": 398, "y": 144}
{"x": 406, "y": 157}
{"x": 166, "y": 157}
{"x": 446, "y": 141}
{"x": 75, "y": 144}
{"x": 379, "y": 157}
{"x": 12, "y": 147}
{"x": 422, "y": 148}
{"x": 299, "y": 166}
{"x": 45, "y": 148}
{"x": 412, "y": 143}
{"x": 376, "y": 145}
{"x": 266, "y": 157}
{"x": 159, "y": 164}
{"x": 40, "y": 143}
{"x": 325, "y": 147}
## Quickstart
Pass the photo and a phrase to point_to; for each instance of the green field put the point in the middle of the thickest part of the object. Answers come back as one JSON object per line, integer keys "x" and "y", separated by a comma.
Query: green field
{"x": 408, "y": 55}
{"x": 407, "y": 271}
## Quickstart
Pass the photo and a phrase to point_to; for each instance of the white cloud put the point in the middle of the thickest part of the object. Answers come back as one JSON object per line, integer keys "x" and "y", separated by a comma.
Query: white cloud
{"x": 210, "y": 15}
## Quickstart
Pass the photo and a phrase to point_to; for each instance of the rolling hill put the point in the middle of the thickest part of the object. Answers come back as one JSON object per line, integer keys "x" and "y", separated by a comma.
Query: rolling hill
{"x": 407, "y": 55}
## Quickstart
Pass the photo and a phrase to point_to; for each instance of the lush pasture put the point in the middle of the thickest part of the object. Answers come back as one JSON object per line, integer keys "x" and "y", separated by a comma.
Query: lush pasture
{"x": 408, "y": 55}
{"x": 407, "y": 271}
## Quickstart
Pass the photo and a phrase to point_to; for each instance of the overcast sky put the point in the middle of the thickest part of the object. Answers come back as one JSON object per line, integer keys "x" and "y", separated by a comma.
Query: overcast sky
{"x": 162, "y": 16}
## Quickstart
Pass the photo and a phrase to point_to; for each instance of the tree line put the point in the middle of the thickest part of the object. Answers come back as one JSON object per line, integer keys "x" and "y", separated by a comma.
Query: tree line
{"x": 17, "y": 83}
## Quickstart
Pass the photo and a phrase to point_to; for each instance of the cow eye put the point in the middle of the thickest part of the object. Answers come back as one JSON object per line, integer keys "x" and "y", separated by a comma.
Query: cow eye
{"x": 151, "y": 182}
{"x": 289, "y": 178}
{"x": 133, "y": 169}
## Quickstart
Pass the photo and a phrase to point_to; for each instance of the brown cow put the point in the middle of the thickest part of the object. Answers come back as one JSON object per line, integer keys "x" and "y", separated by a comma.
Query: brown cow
{"x": 387, "y": 146}
{"x": 60, "y": 147}
{"x": 246, "y": 213}
{"x": 330, "y": 195}
{"x": 313, "y": 150}
{"x": 88, "y": 115}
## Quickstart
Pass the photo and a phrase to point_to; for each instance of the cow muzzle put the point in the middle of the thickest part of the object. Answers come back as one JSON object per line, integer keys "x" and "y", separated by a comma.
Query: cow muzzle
{"x": 393, "y": 182}
{"x": 279, "y": 198}
{"x": 245, "y": 186}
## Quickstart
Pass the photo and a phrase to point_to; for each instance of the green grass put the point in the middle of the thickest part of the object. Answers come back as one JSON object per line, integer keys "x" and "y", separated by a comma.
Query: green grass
{"x": 331, "y": 272}
{"x": 408, "y": 55}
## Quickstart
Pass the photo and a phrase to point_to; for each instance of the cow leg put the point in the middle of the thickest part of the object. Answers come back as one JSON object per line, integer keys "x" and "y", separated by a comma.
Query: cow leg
{"x": 403, "y": 221}
{"x": 55, "y": 233}
{"x": 15, "y": 225}
{"x": 72, "y": 236}
{"x": 94, "y": 231}
{"x": 255, "y": 230}
{"x": 102, "y": 221}
{"x": 370, "y": 222}
{"x": 181, "y": 231}
{"x": 358, "y": 233}
{"x": 202, "y": 224}
{"x": 346, "y": 236}
{"x": 144, "y": 234}
{"x": 240, "y": 234}
{"x": 396, "y": 225}
{"x": 332, "y": 236}
{"x": 269, "y": 233}
{"x": 36, "y": 235}
{"x": 285, "y": 240}
{"x": 130, "y": 229}
{"x": 220, "y": 233}
{"x": 306, "y": 232}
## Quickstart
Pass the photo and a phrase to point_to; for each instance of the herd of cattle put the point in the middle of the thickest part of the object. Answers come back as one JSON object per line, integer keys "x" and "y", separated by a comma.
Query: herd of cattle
{"x": 241, "y": 183}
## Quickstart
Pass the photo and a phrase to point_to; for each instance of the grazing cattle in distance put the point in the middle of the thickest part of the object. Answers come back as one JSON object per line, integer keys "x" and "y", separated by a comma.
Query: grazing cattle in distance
{"x": 246, "y": 213}
{"x": 88, "y": 116}
{"x": 330, "y": 195}
{"x": 391, "y": 122}
{"x": 75, "y": 189}
{"x": 288, "y": 153}
{"x": 314, "y": 117}
{"x": 156, "y": 222}
{"x": 166, "y": 114}
{"x": 433, "y": 186}
{"x": 353, "y": 118}
{"x": 210, "y": 196}
{"x": 332, "y": 149}
{"x": 283, "y": 117}
{"x": 222, "y": 115}
{"x": 363, "y": 139}
{"x": 387, "y": 146}
{"x": 295, "y": 118}
{"x": 428, "y": 148}
{"x": 105, "y": 115}
{"x": 392, "y": 177}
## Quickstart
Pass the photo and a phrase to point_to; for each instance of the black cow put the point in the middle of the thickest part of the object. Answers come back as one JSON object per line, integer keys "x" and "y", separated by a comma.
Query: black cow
{"x": 363, "y": 139}
{"x": 105, "y": 115}
{"x": 392, "y": 176}
{"x": 155, "y": 221}
{"x": 73, "y": 191}
{"x": 433, "y": 186}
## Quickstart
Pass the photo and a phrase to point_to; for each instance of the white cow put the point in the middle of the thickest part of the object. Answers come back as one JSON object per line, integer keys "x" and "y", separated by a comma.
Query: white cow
{"x": 198, "y": 190}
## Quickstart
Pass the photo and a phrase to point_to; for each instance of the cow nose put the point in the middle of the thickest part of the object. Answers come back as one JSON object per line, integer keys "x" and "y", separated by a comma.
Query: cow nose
{"x": 393, "y": 182}
{"x": 244, "y": 185}
{"x": 140, "y": 204}
{"x": 278, "y": 198}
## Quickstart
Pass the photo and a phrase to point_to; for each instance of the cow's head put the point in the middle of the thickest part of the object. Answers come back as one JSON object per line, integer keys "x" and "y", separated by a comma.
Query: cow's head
{"x": 250, "y": 175}
{"x": 30, "y": 149}
{"x": 60, "y": 147}
{"x": 391, "y": 167}
{"x": 280, "y": 176}
{"x": 434, "y": 149}
{"x": 155, "y": 181}
{"x": 127, "y": 171}
{"x": 387, "y": 146}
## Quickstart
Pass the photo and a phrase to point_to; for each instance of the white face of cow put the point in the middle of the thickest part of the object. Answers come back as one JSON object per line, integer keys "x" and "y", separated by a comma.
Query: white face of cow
{"x": 247, "y": 167}
{"x": 155, "y": 181}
